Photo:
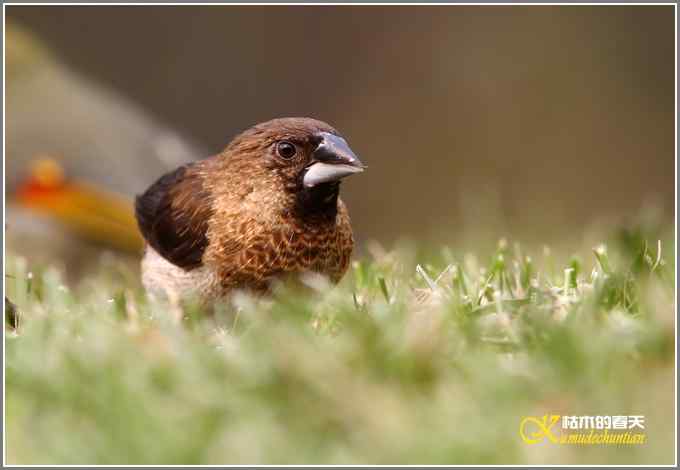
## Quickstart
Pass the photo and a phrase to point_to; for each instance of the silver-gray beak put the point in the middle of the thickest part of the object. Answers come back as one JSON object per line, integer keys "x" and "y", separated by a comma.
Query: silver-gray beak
{"x": 331, "y": 161}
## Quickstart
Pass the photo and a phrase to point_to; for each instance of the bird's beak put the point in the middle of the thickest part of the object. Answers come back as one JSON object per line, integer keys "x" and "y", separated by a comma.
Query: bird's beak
{"x": 331, "y": 161}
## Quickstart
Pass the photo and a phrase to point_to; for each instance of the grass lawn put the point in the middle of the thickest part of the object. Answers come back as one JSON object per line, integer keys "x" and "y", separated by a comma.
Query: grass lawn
{"x": 415, "y": 358}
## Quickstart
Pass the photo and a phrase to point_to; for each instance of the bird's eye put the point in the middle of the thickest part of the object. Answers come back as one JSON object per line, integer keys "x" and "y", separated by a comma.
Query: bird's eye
{"x": 285, "y": 149}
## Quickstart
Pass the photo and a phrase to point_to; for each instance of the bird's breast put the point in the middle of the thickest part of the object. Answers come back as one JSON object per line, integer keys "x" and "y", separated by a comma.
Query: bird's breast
{"x": 288, "y": 246}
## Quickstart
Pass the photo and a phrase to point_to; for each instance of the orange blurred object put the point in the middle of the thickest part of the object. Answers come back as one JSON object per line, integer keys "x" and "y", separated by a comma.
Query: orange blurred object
{"x": 93, "y": 213}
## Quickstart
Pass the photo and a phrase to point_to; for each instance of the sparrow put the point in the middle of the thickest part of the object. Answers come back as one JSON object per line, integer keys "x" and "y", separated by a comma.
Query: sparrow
{"x": 267, "y": 207}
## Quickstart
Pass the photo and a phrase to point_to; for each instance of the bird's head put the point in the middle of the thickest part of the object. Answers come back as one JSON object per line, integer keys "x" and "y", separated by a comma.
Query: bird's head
{"x": 307, "y": 156}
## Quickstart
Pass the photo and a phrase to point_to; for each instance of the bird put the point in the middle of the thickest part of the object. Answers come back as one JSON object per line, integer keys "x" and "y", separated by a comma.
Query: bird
{"x": 264, "y": 209}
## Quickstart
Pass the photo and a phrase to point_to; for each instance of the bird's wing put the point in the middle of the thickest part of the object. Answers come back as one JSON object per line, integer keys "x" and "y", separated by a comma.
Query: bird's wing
{"x": 173, "y": 216}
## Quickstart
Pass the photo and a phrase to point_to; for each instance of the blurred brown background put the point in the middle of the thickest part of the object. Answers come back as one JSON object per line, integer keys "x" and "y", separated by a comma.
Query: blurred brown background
{"x": 535, "y": 119}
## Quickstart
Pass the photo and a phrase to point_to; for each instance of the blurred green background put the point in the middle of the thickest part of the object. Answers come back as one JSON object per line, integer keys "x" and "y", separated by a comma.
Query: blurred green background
{"x": 473, "y": 120}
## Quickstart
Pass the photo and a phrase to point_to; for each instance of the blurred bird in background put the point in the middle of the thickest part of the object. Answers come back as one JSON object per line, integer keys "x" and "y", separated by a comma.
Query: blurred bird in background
{"x": 92, "y": 213}
{"x": 76, "y": 153}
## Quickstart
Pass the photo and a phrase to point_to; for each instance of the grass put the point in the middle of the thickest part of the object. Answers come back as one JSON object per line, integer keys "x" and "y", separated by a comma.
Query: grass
{"x": 405, "y": 362}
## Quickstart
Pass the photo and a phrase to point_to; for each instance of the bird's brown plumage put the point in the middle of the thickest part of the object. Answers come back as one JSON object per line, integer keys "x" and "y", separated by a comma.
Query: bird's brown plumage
{"x": 245, "y": 216}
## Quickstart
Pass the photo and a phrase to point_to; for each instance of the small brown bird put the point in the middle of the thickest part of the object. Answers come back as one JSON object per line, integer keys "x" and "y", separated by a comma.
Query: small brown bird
{"x": 266, "y": 207}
